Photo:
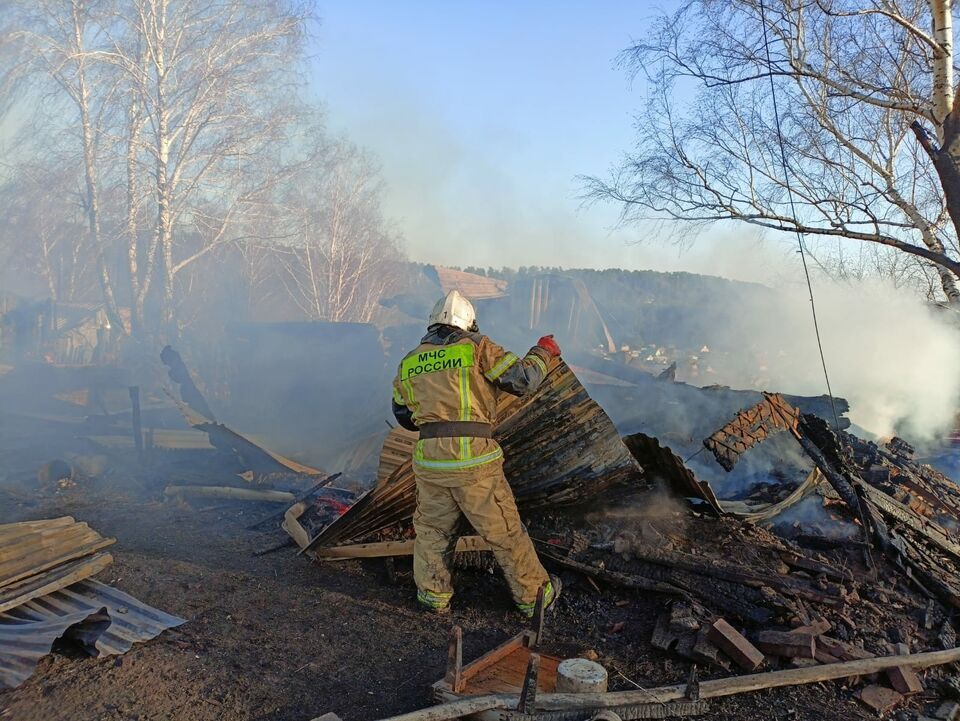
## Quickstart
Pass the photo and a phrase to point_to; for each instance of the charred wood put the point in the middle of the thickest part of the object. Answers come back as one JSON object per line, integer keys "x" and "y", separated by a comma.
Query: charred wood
{"x": 831, "y": 594}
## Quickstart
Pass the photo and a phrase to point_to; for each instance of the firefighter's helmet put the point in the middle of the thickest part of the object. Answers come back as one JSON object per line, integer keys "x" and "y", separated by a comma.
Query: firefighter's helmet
{"x": 453, "y": 309}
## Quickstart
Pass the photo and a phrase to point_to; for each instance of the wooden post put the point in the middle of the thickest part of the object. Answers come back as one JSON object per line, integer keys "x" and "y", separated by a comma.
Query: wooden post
{"x": 539, "y": 611}
{"x": 693, "y": 684}
{"x": 713, "y": 688}
{"x": 528, "y": 695}
{"x": 137, "y": 428}
{"x": 455, "y": 660}
{"x": 148, "y": 445}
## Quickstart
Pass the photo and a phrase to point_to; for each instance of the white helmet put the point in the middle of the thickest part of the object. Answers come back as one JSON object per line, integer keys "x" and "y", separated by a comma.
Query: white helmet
{"x": 453, "y": 309}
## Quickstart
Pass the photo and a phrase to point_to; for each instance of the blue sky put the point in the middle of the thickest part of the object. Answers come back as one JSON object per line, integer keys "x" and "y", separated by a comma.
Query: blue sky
{"x": 482, "y": 114}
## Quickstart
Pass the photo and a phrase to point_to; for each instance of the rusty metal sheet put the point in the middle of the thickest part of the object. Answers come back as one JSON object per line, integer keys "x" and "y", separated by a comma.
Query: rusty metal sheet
{"x": 751, "y": 426}
{"x": 560, "y": 447}
{"x": 105, "y": 621}
{"x": 660, "y": 462}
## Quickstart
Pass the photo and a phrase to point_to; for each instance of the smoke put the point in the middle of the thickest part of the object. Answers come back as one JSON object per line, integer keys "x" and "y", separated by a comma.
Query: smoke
{"x": 893, "y": 357}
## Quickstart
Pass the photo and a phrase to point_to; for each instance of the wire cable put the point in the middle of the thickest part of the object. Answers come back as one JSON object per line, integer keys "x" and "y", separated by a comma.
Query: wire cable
{"x": 793, "y": 210}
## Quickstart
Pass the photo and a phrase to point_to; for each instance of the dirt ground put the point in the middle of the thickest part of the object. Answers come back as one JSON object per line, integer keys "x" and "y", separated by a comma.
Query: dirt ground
{"x": 277, "y": 638}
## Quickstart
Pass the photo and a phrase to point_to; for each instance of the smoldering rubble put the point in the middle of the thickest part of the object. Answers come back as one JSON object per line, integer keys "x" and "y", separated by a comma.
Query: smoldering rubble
{"x": 770, "y": 545}
{"x": 740, "y": 591}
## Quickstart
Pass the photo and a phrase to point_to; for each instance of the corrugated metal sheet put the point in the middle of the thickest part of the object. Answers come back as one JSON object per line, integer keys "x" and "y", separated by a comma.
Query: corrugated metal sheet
{"x": 22, "y": 645}
{"x": 397, "y": 449}
{"x": 560, "y": 448}
{"x": 661, "y": 463}
{"x": 104, "y": 620}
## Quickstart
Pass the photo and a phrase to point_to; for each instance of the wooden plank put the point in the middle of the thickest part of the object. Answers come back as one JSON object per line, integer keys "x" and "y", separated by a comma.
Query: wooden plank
{"x": 734, "y": 644}
{"x": 44, "y": 541}
{"x": 384, "y": 549}
{"x": 494, "y": 655}
{"x": 171, "y": 439}
{"x": 786, "y": 645}
{"x": 490, "y": 684}
{"x": 714, "y": 688}
{"x": 17, "y": 545}
{"x": 528, "y": 694}
{"x": 899, "y": 512}
{"x": 454, "y": 675}
{"x": 515, "y": 664}
{"x": 21, "y": 527}
{"x": 880, "y": 699}
{"x": 239, "y": 494}
{"x": 52, "y": 560}
{"x": 45, "y": 583}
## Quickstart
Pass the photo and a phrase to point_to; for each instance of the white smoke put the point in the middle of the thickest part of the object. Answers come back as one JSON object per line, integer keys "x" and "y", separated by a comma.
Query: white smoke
{"x": 893, "y": 357}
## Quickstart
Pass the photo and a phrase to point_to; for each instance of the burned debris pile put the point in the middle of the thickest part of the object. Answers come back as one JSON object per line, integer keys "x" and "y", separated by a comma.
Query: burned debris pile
{"x": 735, "y": 595}
{"x": 560, "y": 448}
{"x": 850, "y": 556}
{"x": 742, "y": 596}
{"x": 47, "y": 593}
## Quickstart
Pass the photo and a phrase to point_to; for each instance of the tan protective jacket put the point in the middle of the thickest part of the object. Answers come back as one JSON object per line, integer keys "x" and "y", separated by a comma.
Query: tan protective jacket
{"x": 454, "y": 375}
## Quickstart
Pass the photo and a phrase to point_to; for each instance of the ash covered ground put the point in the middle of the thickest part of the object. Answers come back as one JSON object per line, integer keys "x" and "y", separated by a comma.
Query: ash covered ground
{"x": 277, "y": 637}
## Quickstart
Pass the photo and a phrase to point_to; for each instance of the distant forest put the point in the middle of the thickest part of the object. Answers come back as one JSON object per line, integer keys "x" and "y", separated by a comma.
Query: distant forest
{"x": 644, "y": 307}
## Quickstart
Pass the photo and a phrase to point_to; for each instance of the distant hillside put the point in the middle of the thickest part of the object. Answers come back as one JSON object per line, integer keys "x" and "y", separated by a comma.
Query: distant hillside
{"x": 647, "y": 307}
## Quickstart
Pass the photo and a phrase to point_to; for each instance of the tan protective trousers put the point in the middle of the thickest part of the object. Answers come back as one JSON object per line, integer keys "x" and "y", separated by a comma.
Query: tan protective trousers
{"x": 488, "y": 504}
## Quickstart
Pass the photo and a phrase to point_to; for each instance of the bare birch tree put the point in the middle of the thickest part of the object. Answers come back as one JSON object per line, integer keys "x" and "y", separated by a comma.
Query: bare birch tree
{"x": 210, "y": 87}
{"x": 60, "y": 42}
{"x": 870, "y": 124}
{"x": 194, "y": 142}
{"x": 346, "y": 257}
{"x": 42, "y": 231}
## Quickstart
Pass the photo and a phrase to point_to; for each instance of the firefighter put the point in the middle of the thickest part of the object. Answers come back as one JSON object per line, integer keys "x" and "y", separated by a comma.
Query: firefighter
{"x": 447, "y": 388}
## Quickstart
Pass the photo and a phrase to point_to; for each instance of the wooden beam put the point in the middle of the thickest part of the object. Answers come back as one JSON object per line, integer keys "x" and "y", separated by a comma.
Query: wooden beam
{"x": 528, "y": 694}
{"x": 239, "y": 494}
{"x": 49, "y": 581}
{"x": 454, "y": 675}
{"x": 384, "y": 549}
{"x": 930, "y": 530}
{"x": 715, "y": 688}
{"x": 137, "y": 427}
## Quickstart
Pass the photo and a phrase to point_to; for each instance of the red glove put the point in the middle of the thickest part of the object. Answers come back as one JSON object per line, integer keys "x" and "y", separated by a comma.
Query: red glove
{"x": 549, "y": 345}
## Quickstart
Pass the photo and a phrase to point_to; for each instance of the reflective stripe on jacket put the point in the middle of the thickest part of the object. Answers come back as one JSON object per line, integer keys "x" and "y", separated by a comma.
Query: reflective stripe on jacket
{"x": 454, "y": 375}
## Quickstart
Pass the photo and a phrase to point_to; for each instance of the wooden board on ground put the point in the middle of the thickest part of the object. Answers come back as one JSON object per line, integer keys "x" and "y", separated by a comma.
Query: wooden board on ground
{"x": 502, "y": 670}
{"x": 53, "y": 580}
{"x": 162, "y": 438}
{"x": 386, "y": 549}
{"x": 31, "y": 548}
